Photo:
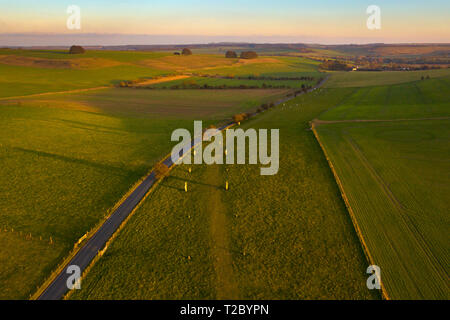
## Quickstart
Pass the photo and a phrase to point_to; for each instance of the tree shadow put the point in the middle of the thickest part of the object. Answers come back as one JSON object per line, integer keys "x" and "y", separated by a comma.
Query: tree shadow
{"x": 104, "y": 167}
{"x": 170, "y": 186}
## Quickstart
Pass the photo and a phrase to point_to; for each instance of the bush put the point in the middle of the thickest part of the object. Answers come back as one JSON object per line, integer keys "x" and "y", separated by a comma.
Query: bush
{"x": 76, "y": 50}
{"x": 161, "y": 170}
{"x": 335, "y": 65}
{"x": 230, "y": 54}
{"x": 186, "y": 52}
{"x": 239, "y": 117}
{"x": 248, "y": 55}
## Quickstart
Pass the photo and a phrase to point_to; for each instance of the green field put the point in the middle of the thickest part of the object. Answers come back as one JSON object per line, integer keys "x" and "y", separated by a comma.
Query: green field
{"x": 217, "y": 82}
{"x": 393, "y": 163}
{"x": 395, "y": 176}
{"x": 66, "y": 159}
{"x": 420, "y": 99}
{"x": 375, "y": 78}
{"x": 286, "y": 236}
{"x": 28, "y": 72}
{"x": 269, "y": 67}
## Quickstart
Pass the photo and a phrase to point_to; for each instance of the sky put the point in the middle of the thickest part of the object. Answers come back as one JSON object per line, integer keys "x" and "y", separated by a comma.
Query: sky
{"x": 112, "y": 22}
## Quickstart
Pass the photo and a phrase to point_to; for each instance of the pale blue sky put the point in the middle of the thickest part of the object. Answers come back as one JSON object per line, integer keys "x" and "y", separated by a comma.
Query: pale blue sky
{"x": 320, "y": 21}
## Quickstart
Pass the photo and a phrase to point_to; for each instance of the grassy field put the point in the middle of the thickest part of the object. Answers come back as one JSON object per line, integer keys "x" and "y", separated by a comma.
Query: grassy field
{"x": 395, "y": 175}
{"x": 270, "y": 67}
{"x": 374, "y": 78}
{"x": 176, "y": 104}
{"x": 28, "y": 72}
{"x": 420, "y": 99}
{"x": 286, "y": 236}
{"x": 66, "y": 159}
{"x": 233, "y": 82}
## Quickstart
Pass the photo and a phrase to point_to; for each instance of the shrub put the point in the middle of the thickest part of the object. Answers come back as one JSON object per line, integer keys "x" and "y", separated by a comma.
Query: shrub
{"x": 186, "y": 52}
{"x": 239, "y": 117}
{"x": 248, "y": 55}
{"x": 76, "y": 50}
{"x": 230, "y": 54}
{"x": 161, "y": 170}
{"x": 335, "y": 66}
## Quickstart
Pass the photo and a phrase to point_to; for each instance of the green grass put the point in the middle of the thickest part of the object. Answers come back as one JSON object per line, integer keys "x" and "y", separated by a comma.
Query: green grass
{"x": 174, "y": 104}
{"x": 374, "y": 78}
{"x": 24, "y": 80}
{"x": 120, "y": 56}
{"x": 420, "y": 99}
{"x": 395, "y": 176}
{"x": 286, "y": 236}
{"x": 66, "y": 159}
{"x": 233, "y": 82}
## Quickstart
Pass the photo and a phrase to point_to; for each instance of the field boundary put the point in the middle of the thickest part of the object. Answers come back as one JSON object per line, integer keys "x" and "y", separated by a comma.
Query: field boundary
{"x": 349, "y": 208}
{"x": 318, "y": 122}
{"x": 55, "y": 92}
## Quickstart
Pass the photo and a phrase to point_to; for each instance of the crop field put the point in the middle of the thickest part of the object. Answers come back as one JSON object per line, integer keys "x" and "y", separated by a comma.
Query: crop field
{"x": 395, "y": 176}
{"x": 374, "y": 78}
{"x": 66, "y": 159}
{"x": 420, "y": 99}
{"x": 389, "y": 146}
{"x": 286, "y": 236}
{"x": 270, "y": 67}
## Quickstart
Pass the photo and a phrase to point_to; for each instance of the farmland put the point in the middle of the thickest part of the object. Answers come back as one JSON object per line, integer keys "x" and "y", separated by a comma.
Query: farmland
{"x": 390, "y": 150}
{"x": 395, "y": 176}
{"x": 35, "y": 71}
{"x": 286, "y": 236}
{"x": 418, "y": 99}
{"x": 373, "y": 78}
{"x": 75, "y": 140}
{"x": 66, "y": 159}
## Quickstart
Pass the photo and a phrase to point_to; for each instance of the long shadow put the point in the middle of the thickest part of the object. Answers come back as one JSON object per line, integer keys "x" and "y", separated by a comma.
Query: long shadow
{"x": 171, "y": 187}
{"x": 92, "y": 127}
{"x": 195, "y": 182}
{"x": 118, "y": 171}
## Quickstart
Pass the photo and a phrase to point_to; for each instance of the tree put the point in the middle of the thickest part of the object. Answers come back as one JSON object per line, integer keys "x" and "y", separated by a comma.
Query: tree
{"x": 186, "y": 52}
{"x": 248, "y": 55}
{"x": 239, "y": 117}
{"x": 161, "y": 170}
{"x": 230, "y": 54}
{"x": 76, "y": 50}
